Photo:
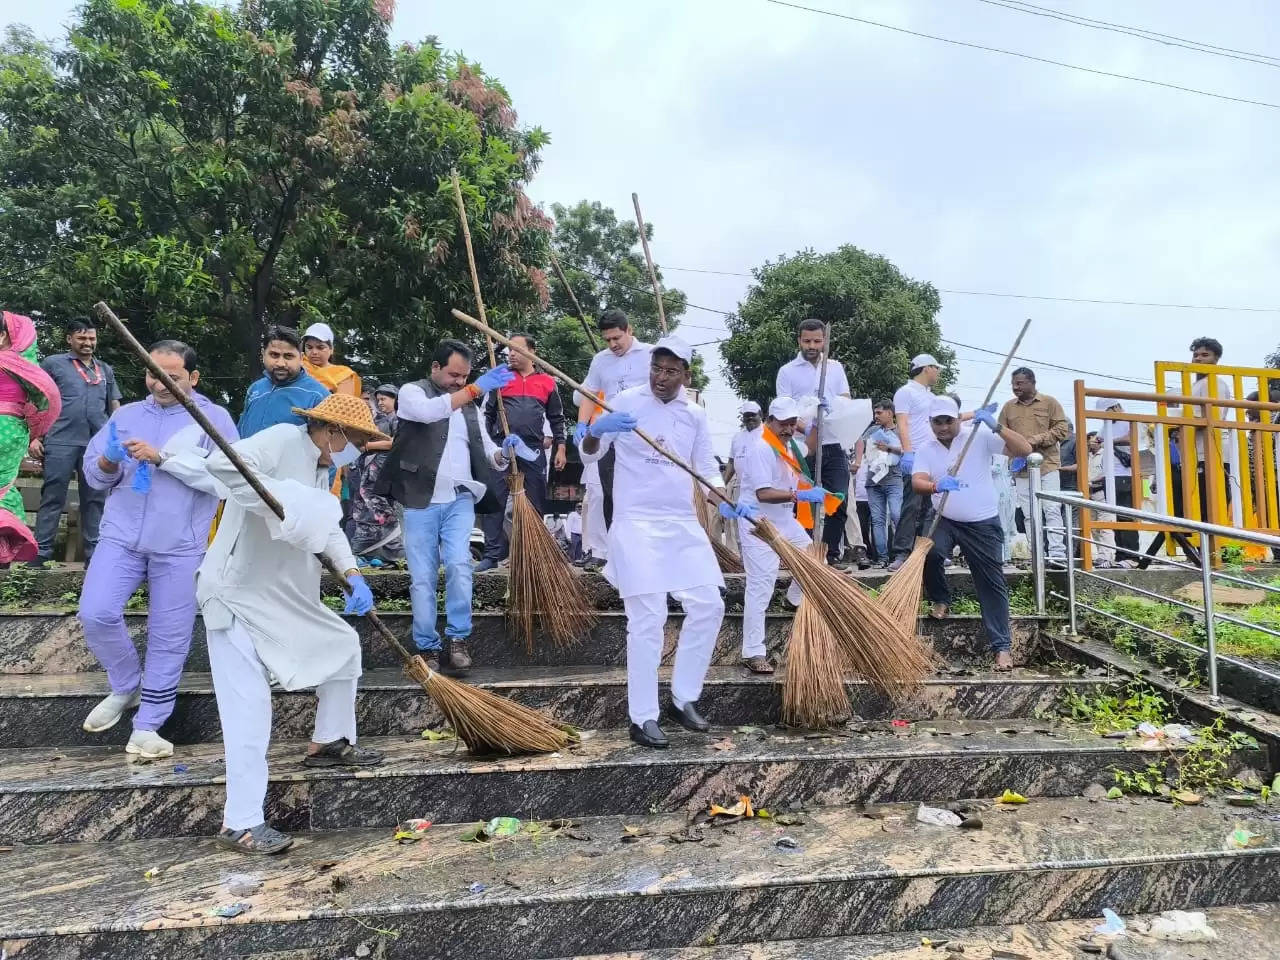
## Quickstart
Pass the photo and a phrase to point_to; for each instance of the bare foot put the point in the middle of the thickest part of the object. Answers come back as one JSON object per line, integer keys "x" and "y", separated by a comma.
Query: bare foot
{"x": 939, "y": 611}
{"x": 1004, "y": 661}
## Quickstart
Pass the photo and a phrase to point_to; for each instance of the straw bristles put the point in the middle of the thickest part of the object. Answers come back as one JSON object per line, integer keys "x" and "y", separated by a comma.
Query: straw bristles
{"x": 813, "y": 690}
{"x": 543, "y": 590}
{"x": 874, "y": 645}
{"x": 484, "y": 722}
{"x": 729, "y": 561}
{"x": 900, "y": 597}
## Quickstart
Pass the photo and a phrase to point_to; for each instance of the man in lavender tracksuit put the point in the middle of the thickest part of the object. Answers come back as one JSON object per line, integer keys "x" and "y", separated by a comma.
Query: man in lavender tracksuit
{"x": 155, "y": 527}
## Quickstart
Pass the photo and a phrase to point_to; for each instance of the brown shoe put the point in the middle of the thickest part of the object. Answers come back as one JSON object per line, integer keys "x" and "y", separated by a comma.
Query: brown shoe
{"x": 939, "y": 611}
{"x": 456, "y": 654}
{"x": 760, "y": 664}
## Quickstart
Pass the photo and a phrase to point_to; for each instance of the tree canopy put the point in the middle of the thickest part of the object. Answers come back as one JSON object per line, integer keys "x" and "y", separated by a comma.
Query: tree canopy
{"x": 879, "y": 320}
{"x": 209, "y": 170}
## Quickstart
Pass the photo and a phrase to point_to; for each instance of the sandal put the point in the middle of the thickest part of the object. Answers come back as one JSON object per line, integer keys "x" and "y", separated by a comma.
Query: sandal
{"x": 343, "y": 753}
{"x": 261, "y": 840}
{"x": 758, "y": 664}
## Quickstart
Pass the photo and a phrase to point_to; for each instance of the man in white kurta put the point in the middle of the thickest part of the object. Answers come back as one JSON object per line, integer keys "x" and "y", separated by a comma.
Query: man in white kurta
{"x": 769, "y": 487}
{"x": 259, "y": 594}
{"x": 751, "y": 425}
{"x": 656, "y": 545}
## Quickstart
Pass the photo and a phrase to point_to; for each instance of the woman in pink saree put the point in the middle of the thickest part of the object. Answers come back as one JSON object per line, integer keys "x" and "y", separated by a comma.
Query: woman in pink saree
{"x": 29, "y": 404}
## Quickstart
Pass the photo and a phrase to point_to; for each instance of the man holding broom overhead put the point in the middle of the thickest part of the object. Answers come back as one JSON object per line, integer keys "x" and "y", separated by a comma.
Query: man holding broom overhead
{"x": 656, "y": 545}
{"x": 970, "y": 508}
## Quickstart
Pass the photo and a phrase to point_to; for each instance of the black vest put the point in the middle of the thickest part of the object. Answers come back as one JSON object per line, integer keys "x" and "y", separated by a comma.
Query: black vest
{"x": 409, "y": 477}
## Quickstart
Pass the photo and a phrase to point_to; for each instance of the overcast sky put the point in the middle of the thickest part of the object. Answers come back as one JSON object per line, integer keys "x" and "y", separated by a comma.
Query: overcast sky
{"x": 752, "y": 130}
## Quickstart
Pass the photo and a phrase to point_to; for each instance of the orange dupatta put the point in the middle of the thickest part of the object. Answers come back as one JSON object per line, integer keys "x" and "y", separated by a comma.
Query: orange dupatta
{"x": 804, "y": 511}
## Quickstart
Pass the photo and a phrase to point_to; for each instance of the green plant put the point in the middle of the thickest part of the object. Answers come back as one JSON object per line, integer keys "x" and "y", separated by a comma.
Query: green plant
{"x": 1200, "y": 768}
{"x": 138, "y": 601}
{"x": 17, "y": 586}
{"x": 1115, "y": 709}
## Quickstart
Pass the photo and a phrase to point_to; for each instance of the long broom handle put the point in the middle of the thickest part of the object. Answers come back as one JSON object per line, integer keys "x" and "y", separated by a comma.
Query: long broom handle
{"x": 105, "y": 313}
{"x": 648, "y": 259}
{"x": 991, "y": 392}
{"x": 475, "y": 287}
{"x": 820, "y": 509}
{"x": 582, "y": 317}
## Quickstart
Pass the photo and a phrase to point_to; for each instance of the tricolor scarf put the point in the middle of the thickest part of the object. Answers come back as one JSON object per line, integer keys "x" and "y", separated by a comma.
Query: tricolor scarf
{"x": 791, "y": 454}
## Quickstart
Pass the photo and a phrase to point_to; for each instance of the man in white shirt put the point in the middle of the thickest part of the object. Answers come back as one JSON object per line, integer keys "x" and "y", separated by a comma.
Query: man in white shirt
{"x": 750, "y": 413}
{"x": 800, "y": 378}
{"x": 769, "y": 488}
{"x": 967, "y": 498}
{"x": 656, "y": 545}
{"x": 436, "y": 472}
{"x": 623, "y": 364}
{"x": 573, "y": 531}
{"x": 1209, "y": 351}
{"x": 911, "y": 405}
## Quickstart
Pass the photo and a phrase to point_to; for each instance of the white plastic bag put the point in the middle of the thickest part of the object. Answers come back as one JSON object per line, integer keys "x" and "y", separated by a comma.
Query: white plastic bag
{"x": 1179, "y": 926}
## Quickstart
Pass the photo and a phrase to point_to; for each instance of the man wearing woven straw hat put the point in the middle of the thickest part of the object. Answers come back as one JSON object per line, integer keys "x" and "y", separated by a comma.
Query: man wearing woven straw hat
{"x": 259, "y": 593}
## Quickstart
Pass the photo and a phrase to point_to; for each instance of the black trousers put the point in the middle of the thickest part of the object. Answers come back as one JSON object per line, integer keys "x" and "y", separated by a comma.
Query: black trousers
{"x": 834, "y": 479}
{"x": 1126, "y": 539}
{"x": 605, "y": 465}
{"x": 917, "y": 509}
{"x": 982, "y": 544}
{"x": 497, "y": 526}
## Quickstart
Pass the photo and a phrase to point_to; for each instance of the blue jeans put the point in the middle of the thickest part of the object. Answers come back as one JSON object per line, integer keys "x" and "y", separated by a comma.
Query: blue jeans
{"x": 440, "y": 533}
{"x": 885, "y": 501}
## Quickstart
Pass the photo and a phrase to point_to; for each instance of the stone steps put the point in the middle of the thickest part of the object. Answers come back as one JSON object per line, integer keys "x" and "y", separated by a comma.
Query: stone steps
{"x": 618, "y": 883}
{"x": 48, "y": 709}
{"x": 53, "y": 642}
{"x": 97, "y": 793}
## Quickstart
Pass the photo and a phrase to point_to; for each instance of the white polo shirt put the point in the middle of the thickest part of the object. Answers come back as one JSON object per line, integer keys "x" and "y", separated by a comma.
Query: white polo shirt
{"x": 914, "y": 399}
{"x": 799, "y": 378}
{"x": 613, "y": 374}
{"x": 740, "y": 443}
{"x": 1200, "y": 388}
{"x": 760, "y": 467}
{"x": 977, "y": 498}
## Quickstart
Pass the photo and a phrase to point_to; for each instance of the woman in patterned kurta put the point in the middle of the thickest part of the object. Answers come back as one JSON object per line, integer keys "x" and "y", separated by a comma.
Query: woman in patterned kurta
{"x": 29, "y": 404}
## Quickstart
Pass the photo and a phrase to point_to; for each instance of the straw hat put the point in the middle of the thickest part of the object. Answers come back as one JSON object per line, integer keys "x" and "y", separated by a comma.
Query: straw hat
{"x": 350, "y": 413}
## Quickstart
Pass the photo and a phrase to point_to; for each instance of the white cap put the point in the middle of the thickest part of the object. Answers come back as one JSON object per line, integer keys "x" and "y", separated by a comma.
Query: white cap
{"x": 924, "y": 360}
{"x": 943, "y": 407}
{"x": 1106, "y": 404}
{"x": 676, "y": 345}
{"x": 319, "y": 331}
{"x": 749, "y": 406}
{"x": 784, "y": 408}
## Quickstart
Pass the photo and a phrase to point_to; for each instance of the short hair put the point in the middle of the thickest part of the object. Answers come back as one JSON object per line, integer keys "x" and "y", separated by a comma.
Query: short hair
{"x": 613, "y": 319}
{"x": 1024, "y": 372}
{"x": 529, "y": 339}
{"x": 178, "y": 349}
{"x": 1091, "y": 434}
{"x": 282, "y": 333}
{"x": 956, "y": 398}
{"x": 1207, "y": 343}
{"x": 811, "y": 324}
{"x": 447, "y": 348}
{"x": 78, "y": 324}
{"x": 884, "y": 405}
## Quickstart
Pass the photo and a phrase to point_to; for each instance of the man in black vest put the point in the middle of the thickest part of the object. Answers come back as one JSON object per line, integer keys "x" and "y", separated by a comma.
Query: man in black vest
{"x": 434, "y": 474}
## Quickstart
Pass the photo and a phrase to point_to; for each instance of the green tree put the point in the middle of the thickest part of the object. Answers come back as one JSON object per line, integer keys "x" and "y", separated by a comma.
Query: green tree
{"x": 879, "y": 320}
{"x": 1272, "y": 360}
{"x": 209, "y": 170}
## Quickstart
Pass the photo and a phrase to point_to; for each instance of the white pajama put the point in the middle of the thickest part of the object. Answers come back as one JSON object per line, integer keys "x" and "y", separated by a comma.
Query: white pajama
{"x": 595, "y": 538}
{"x": 1051, "y": 523}
{"x": 242, "y": 687}
{"x": 646, "y": 619}
{"x": 762, "y": 565}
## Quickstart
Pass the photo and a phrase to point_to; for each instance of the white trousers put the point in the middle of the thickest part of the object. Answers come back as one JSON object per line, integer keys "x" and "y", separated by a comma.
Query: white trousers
{"x": 1051, "y": 516}
{"x": 762, "y": 564}
{"x": 243, "y": 691}
{"x": 646, "y": 618}
{"x": 595, "y": 538}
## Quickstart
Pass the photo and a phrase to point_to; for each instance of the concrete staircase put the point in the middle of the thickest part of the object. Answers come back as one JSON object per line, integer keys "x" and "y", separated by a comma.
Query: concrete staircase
{"x": 108, "y": 857}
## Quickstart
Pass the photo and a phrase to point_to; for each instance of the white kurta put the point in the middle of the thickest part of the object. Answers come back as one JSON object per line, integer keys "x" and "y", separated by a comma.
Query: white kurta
{"x": 656, "y": 544}
{"x": 270, "y": 588}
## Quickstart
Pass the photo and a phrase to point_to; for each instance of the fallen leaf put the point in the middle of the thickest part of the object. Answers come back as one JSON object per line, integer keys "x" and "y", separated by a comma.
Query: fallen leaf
{"x": 764, "y": 813}
{"x": 1242, "y": 839}
{"x": 740, "y": 809}
{"x": 502, "y": 827}
{"x": 1115, "y": 793}
{"x": 411, "y": 830}
{"x": 725, "y": 744}
{"x": 1010, "y": 797}
{"x": 434, "y": 735}
{"x": 1187, "y": 797}
{"x": 153, "y": 873}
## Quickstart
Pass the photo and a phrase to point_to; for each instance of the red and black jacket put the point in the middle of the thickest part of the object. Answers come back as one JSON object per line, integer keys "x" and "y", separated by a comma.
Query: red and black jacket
{"x": 527, "y": 401}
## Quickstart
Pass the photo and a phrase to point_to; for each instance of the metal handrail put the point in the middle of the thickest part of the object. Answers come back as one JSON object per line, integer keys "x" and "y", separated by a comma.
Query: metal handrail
{"x": 1195, "y": 526}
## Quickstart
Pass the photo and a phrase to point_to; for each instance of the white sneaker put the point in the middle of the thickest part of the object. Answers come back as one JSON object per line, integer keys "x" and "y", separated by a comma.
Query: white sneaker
{"x": 108, "y": 712}
{"x": 149, "y": 745}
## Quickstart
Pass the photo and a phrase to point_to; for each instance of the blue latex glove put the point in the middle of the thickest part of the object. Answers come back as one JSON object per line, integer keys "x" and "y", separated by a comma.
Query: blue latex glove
{"x": 141, "y": 478}
{"x": 908, "y": 461}
{"x": 115, "y": 451}
{"x": 612, "y": 423}
{"x": 987, "y": 415}
{"x": 1017, "y": 464}
{"x": 579, "y": 434}
{"x": 812, "y": 495}
{"x": 495, "y": 379}
{"x": 360, "y": 600}
{"x": 948, "y": 484}
{"x": 512, "y": 442}
{"x": 729, "y": 511}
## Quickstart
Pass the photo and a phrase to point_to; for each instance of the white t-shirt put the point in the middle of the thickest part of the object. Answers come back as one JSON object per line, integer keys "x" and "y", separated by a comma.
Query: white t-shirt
{"x": 799, "y": 378}
{"x": 613, "y": 374}
{"x": 761, "y": 467}
{"x": 1201, "y": 389}
{"x": 741, "y": 440}
{"x": 572, "y": 524}
{"x": 914, "y": 399}
{"x": 977, "y": 498}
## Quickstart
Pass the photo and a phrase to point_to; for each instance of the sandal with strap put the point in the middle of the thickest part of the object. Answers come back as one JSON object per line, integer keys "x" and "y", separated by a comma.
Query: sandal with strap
{"x": 343, "y": 753}
{"x": 263, "y": 840}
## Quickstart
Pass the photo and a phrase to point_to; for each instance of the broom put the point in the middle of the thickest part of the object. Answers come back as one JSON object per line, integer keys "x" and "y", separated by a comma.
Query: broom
{"x": 542, "y": 589}
{"x": 871, "y": 642}
{"x": 484, "y": 722}
{"x": 900, "y": 597}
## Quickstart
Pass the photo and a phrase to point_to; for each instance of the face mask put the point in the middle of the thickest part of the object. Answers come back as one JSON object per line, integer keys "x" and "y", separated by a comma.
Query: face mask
{"x": 348, "y": 454}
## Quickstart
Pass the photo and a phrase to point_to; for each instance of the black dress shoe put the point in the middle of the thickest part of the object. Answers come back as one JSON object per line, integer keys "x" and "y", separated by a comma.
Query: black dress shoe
{"x": 649, "y": 735}
{"x": 688, "y": 717}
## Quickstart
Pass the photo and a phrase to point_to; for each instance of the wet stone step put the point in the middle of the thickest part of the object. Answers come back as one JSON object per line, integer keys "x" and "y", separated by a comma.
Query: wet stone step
{"x": 54, "y": 642}
{"x": 98, "y": 793}
{"x": 625, "y": 883}
{"x": 48, "y": 709}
